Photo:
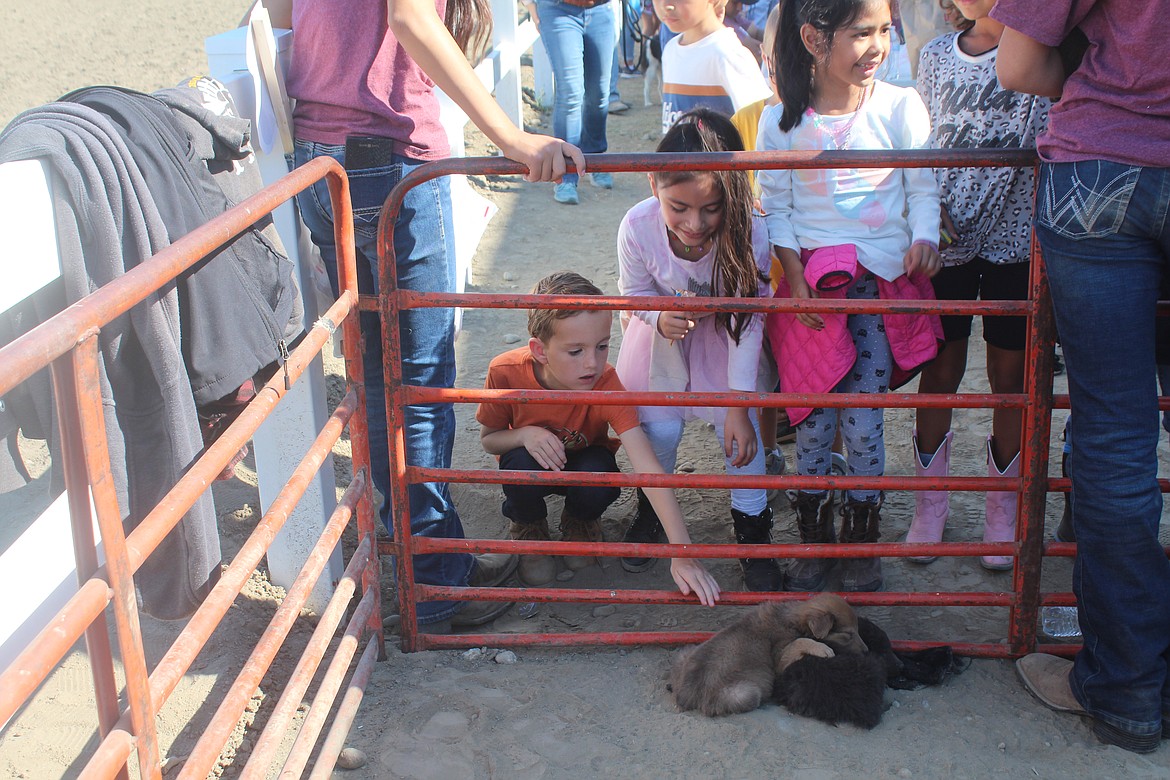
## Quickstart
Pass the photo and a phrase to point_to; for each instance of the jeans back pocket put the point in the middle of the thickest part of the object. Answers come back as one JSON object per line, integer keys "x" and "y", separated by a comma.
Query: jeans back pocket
{"x": 1086, "y": 199}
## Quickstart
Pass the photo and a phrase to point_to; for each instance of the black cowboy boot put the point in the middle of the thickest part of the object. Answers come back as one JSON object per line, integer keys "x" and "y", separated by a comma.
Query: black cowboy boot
{"x": 759, "y": 574}
{"x": 645, "y": 528}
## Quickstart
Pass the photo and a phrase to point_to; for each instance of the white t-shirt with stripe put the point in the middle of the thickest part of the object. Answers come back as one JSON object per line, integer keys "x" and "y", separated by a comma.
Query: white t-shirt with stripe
{"x": 716, "y": 71}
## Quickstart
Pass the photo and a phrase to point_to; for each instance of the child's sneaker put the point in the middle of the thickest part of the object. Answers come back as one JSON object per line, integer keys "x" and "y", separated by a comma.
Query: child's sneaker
{"x": 774, "y": 466}
{"x": 566, "y": 192}
{"x": 602, "y": 180}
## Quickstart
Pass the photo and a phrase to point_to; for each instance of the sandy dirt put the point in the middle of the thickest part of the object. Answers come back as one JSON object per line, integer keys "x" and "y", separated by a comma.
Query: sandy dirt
{"x": 554, "y": 712}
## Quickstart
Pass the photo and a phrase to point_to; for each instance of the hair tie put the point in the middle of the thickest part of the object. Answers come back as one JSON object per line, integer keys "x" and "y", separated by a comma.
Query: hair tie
{"x": 699, "y": 123}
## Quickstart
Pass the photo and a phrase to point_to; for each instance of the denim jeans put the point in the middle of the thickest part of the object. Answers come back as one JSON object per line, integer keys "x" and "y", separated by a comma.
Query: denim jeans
{"x": 425, "y": 252}
{"x": 580, "y": 46}
{"x": 1106, "y": 238}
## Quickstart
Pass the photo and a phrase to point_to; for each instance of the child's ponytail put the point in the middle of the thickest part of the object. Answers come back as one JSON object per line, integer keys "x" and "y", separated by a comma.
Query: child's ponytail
{"x": 794, "y": 62}
{"x": 734, "y": 273}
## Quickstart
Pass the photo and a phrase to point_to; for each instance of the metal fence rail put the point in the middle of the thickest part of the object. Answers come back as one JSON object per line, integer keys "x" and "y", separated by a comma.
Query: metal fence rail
{"x": 1024, "y": 599}
{"x": 68, "y": 343}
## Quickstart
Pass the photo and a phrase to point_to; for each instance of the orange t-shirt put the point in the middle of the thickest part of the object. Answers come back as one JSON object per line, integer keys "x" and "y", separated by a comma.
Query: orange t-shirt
{"x": 578, "y": 426}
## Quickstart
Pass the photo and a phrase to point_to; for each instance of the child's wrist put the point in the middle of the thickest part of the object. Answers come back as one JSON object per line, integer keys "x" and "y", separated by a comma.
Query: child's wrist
{"x": 925, "y": 242}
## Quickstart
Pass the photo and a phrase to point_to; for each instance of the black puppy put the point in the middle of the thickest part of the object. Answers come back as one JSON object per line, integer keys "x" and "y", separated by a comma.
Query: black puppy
{"x": 841, "y": 688}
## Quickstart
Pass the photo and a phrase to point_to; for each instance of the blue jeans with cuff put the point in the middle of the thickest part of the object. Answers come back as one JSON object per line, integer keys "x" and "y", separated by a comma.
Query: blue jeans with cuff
{"x": 580, "y": 44}
{"x": 425, "y": 252}
{"x": 1105, "y": 231}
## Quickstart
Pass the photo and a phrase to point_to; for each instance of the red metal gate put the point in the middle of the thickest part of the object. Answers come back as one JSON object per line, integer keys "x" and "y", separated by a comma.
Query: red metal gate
{"x": 68, "y": 344}
{"x": 1024, "y": 599}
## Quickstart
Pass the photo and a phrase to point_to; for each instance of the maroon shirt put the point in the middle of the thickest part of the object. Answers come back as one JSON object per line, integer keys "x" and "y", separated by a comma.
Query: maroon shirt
{"x": 1116, "y": 105}
{"x": 350, "y": 76}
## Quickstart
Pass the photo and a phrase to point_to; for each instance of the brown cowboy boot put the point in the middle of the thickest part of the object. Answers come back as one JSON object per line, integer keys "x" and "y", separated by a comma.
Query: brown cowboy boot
{"x": 859, "y": 525}
{"x": 814, "y": 521}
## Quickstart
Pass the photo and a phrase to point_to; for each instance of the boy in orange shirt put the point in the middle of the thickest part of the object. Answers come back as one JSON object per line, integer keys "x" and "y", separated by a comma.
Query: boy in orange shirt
{"x": 568, "y": 350}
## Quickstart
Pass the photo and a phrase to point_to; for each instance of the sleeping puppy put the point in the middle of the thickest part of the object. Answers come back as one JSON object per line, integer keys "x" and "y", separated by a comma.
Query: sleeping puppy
{"x": 813, "y": 681}
{"x": 735, "y": 670}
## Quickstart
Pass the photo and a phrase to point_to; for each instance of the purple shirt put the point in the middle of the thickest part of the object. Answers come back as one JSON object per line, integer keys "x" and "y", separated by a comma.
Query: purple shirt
{"x": 1116, "y": 105}
{"x": 349, "y": 76}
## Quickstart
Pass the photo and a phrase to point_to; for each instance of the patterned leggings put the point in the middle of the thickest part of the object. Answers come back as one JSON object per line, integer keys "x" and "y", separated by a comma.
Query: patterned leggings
{"x": 861, "y": 429}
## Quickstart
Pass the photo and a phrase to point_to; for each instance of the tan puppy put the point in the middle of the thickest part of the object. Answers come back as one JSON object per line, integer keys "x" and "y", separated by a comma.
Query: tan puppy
{"x": 734, "y": 670}
{"x": 802, "y": 648}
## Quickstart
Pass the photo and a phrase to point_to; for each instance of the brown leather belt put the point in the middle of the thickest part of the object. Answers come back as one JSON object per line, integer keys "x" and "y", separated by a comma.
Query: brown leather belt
{"x": 585, "y": 3}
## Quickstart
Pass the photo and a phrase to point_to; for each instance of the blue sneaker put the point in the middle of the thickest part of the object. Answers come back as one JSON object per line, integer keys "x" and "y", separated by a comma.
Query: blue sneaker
{"x": 602, "y": 180}
{"x": 566, "y": 192}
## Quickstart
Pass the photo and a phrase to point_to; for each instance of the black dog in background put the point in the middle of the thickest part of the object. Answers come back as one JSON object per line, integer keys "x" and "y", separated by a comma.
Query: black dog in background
{"x": 851, "y": 688}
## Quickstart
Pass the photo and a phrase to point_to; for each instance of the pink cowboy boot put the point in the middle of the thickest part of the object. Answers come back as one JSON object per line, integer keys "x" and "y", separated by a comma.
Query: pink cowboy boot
{"x": 930, "y": 506}
{"x": 1000, "y": 522}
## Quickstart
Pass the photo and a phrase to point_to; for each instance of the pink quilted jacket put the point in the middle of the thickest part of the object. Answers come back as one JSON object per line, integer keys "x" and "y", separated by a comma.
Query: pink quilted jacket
{"x": 815, "y": 361}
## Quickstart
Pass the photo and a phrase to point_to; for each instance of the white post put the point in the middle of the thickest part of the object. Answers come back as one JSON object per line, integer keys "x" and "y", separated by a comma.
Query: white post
{"x": 38, "y": 568}
{"x": 288, "y": 432}
{"x": 542, "y": 75}
{"x": 507, "y": 56}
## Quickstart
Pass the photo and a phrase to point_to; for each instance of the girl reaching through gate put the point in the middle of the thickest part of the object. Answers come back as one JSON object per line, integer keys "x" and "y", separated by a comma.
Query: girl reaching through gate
{"x": 697, "y": 237}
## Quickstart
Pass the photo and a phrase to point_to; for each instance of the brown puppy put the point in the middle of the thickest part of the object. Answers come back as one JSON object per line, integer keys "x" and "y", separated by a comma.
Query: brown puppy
{"x": 734, "y": 670}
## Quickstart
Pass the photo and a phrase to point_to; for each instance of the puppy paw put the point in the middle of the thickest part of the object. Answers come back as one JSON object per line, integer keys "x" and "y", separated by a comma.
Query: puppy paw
{"x": 800, "y": 648}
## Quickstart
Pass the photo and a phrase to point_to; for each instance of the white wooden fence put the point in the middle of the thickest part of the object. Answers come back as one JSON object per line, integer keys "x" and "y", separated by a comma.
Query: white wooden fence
{"x": 26, "y": 219}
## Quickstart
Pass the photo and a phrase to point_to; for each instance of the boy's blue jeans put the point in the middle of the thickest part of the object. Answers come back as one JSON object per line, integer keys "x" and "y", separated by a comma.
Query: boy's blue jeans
{"x": 425, "y": 252}
{"x": 1105, "y": 231}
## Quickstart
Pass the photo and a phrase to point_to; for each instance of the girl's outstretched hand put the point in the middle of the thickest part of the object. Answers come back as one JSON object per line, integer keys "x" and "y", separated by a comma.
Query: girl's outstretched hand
{"x": 544, "y": 155}
{"x": 739, "y": 437}
{"x": 692, "y": 577}
{"x": 922, "y": 258}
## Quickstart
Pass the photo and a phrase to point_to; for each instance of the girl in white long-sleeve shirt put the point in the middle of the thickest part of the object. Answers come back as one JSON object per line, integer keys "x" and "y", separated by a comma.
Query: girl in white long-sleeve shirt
{"x": 889, "y": 215}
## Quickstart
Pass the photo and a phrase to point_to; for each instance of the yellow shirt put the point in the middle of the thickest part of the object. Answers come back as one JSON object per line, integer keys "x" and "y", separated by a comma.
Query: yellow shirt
{"x": 747, "y": 122}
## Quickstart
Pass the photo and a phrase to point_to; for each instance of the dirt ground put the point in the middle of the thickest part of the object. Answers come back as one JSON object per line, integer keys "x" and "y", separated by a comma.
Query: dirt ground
{"x": 556, "y": 712}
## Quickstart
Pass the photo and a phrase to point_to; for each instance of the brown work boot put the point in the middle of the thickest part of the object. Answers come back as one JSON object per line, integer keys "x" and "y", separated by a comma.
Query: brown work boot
{"x": 534, "y": 569}
{"x": 814, "y": 521}
{"x": 578, "y": 529}
{"x": 859, "y": 525}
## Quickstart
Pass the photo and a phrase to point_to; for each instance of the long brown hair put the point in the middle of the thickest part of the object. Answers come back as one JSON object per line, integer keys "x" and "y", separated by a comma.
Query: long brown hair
{"x": 734, "y": 272}
{"x": 470, "y": 23}
{"x": 793, "y": 62}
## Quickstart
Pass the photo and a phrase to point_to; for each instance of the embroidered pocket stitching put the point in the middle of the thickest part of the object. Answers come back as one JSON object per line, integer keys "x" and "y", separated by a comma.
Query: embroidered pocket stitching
{"x": 1087, "y": 209}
